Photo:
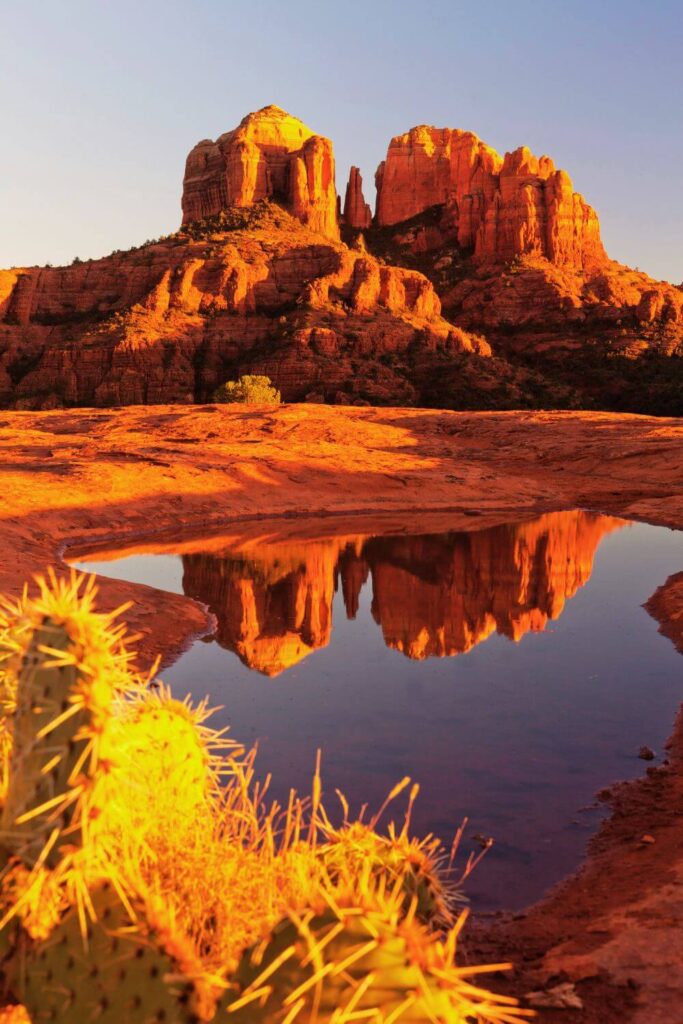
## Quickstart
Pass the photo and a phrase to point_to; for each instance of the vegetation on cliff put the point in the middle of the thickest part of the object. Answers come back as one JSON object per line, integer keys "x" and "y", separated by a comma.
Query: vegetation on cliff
{"x": 251, "y": 389}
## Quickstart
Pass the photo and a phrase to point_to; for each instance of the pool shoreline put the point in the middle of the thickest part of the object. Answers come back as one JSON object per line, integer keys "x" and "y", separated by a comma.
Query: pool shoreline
{"x": 89, "y": 474}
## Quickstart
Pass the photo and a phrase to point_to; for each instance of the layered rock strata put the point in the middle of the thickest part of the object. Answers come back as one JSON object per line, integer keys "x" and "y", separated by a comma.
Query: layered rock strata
{"x": 468, "y": 251}
{"x": 495, "y": 207}
{"x": 270, "y": 155}
{"x": 172, "y": 321}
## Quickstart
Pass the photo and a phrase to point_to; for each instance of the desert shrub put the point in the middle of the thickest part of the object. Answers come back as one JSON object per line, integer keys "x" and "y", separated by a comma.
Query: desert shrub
{"x": 251, "y": 389}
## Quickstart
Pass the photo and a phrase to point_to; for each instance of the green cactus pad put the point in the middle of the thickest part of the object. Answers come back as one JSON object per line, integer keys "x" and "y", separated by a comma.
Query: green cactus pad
{"x": 116, "y": 978}
{"x": 42, "y": 695}
{"x": 363, "y": 962}
{"x": 358, "y": 851}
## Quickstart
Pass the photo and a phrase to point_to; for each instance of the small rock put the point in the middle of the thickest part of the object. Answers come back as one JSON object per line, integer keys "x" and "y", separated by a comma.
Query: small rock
{"x": 560, "y": 997}
{"x": 648, "y": 840}
{"x": 646, "y": 754}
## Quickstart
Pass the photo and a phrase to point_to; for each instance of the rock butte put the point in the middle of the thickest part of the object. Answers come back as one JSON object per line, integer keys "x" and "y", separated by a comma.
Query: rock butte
{"x": 271, "y": 155}
{"x": 469, "y": 253}
{"x": 497, "y": 208}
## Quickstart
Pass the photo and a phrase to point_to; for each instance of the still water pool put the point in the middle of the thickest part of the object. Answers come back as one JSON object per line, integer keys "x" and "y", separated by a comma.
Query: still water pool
{"x": 512, "y": 671}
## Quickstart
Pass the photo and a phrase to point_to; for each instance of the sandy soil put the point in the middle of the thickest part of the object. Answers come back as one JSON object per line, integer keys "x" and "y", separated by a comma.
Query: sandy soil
{"x": 613, "y": 932}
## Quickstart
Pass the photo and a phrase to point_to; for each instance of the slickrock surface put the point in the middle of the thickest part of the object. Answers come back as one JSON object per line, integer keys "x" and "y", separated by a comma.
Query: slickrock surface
{"x": 270, "y": 155}
{"x": 109, "y": 478}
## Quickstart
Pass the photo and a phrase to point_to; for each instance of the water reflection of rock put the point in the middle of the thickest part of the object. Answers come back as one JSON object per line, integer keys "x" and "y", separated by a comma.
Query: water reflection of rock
{"x": 432, "y": 595}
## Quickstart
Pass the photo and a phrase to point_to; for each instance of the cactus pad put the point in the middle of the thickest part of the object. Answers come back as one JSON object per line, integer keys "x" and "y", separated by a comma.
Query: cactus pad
{"x": 115, "y": 976}
{"x": 43, "y": 757}
{"x": 351, "y": 964}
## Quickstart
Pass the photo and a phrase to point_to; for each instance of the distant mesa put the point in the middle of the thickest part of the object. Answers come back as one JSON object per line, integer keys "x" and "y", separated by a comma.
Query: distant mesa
{"x": 432, "y": 595}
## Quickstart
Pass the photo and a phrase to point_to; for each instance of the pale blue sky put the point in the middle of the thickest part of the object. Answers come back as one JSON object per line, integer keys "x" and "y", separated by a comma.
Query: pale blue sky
{"x": 102, "y": 99}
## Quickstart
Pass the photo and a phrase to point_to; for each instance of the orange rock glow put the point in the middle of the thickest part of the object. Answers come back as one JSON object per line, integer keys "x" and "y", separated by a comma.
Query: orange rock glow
{"x": 438, "y": 595}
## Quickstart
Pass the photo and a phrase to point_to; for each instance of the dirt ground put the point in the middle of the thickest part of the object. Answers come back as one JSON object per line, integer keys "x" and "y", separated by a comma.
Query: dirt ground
{"x": 611, "y": 936}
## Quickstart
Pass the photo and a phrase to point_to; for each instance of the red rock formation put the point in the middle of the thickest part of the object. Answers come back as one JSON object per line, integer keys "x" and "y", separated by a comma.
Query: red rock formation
{"x": 439, "y": 597}
{"x": 269, "y": 291}
{"x": 549, "y": 306}
{"x": 357, "y": 213}
{"x": 432, "y": 595}
{"x": 172, "y": 321}
{"x": 271, "y": 155}
{"x": 495, "y": 208}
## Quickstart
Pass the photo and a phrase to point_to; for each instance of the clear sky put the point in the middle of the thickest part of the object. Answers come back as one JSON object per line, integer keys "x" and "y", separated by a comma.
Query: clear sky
{"x": 102, "y": 99}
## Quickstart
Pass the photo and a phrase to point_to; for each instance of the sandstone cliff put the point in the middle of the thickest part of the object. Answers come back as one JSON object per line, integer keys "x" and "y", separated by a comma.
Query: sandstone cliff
{"x": 469, "y": 253}
{"x": 173, "y": 320}
{"x": 516, "y": 254}
{"x": 270, "y": 155}
{"x": 495, "y": 207}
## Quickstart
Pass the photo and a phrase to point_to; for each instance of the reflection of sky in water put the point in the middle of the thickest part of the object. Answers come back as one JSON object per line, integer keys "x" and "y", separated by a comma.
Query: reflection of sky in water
{"x": 519, "y": 737}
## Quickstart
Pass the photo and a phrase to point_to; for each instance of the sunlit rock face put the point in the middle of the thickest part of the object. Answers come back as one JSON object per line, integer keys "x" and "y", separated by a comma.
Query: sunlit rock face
{"x": 432, "y": 595}
{"x": 357, "y": 213}
{"x": 270, "y": 155}
{"x": 273, "y": 298}
{"x": 495, "y": 207}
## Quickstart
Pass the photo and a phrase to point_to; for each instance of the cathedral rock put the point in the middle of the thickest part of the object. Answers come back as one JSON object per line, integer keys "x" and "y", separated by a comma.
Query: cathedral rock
{"x": 468, "y": 255}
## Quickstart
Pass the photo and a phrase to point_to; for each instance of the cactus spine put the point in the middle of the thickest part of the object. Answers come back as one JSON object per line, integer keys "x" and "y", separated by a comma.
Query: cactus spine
{"x": 357, "y": 849}
{"x": 352, "y": 962}
{"x": 107, "y": 782}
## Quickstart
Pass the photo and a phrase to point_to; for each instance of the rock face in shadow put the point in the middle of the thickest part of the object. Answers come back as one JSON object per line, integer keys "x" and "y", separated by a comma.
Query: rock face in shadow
{"x": 432, "y": 595}
{"x": 270, "y": 155}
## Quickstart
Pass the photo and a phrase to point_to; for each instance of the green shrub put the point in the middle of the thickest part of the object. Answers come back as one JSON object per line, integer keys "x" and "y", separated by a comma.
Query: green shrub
{"x": 250, "y": 390}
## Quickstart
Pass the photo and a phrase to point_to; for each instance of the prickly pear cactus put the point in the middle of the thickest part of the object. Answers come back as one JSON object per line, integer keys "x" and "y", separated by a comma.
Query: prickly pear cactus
{"x": 353, "y": 963}
{"x": 49, "y": 741}
{"x": 112, "y": 974}
{"x": 358, "y": 851}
